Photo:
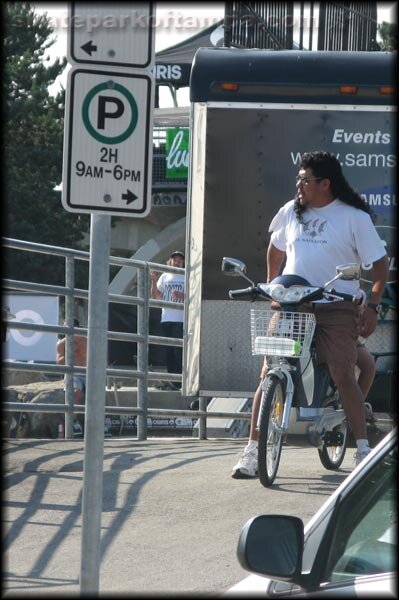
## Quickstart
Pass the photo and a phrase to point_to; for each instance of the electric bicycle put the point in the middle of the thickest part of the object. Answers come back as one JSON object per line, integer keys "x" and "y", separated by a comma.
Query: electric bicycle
{"x": 285, "y": 337}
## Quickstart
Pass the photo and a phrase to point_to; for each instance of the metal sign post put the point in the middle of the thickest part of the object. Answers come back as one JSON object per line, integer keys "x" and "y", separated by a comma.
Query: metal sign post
{"x": 95, "y": 401}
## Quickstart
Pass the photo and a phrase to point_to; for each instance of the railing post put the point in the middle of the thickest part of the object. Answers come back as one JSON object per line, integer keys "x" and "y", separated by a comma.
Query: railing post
{"x": 142, "y": 351}
{"x": 69, "y": 346}
{"x": 202, "y": 420}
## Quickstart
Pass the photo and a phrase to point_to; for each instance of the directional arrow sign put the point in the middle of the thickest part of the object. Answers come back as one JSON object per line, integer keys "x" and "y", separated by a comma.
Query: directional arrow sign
{"x": 89, "y": 48}
{"x": 129, "y": 197}
{"x": 108, "y": 143}
{"x": 111, "y": 34}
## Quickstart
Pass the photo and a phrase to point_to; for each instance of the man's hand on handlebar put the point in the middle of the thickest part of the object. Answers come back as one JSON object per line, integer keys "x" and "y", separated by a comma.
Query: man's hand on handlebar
{"x": 368, "y": 322}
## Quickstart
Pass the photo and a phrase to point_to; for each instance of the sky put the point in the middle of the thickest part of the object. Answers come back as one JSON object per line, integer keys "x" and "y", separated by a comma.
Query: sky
{"x": 175, "y": 22}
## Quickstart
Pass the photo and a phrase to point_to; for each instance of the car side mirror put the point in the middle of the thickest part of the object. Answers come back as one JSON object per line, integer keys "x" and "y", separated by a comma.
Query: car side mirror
{"x": 272, "y": 545}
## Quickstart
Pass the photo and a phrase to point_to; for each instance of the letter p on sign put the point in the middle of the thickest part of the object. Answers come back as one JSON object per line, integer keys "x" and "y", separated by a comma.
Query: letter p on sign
{"x": 102, "y": 113}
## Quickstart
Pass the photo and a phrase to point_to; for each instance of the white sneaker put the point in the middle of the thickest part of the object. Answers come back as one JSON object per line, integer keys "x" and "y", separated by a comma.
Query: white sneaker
{"x": 247, "y": 466}
{"x": 359, "y": 456}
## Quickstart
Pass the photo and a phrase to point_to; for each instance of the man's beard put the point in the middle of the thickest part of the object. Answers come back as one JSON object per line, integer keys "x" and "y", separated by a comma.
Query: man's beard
{"x": 300, "y": 200}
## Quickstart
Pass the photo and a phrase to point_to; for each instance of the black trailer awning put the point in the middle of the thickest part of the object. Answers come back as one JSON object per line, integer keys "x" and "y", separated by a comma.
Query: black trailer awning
{"x": 173, "y": 65}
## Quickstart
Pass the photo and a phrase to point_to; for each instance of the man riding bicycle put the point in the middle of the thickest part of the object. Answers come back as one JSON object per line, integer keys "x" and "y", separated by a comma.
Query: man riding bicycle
{"x": 327, "y": 224}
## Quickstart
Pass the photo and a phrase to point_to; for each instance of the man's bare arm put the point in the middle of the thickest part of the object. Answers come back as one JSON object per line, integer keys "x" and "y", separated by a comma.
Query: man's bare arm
{"x": 155, "y": 293}
{"x": 380, "y": 277}
{"x": 60, "y": 356}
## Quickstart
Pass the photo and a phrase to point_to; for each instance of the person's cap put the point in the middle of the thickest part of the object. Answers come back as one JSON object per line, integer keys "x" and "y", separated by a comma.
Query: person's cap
{"x": 177, "y": 253}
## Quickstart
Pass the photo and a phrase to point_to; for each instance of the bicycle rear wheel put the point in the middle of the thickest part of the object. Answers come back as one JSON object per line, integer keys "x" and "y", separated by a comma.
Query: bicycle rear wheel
{"x": 332, "y": 456}
{"x": 270, "y": 430}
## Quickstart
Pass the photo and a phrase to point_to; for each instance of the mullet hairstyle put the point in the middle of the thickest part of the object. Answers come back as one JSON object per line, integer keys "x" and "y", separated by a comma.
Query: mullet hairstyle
{"x": 326, "y": 166}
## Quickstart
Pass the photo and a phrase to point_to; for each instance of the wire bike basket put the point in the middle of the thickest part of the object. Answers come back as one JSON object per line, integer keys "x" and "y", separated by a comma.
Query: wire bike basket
{"x": 280, "y": 333}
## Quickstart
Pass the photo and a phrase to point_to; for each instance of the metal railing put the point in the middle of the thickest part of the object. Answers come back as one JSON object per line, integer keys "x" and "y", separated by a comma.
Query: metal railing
{"x": 142, "y": 337}
{"x": 271, "y": 25}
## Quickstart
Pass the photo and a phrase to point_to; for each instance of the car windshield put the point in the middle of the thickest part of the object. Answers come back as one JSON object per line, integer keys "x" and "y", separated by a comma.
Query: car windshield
{"x": 364, "y": 541}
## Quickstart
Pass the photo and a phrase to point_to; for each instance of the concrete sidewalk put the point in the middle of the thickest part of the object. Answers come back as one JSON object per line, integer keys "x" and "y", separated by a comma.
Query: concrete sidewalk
{"x": 171, "y": 512}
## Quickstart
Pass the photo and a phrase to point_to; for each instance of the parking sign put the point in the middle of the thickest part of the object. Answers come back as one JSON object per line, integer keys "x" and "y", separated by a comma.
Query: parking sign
{"x": 108, "y": 142}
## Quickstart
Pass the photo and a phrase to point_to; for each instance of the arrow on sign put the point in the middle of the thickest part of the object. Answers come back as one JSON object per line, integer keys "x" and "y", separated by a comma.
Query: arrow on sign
{"x": 89, "y": 47}
{"x": 129, "y": 197}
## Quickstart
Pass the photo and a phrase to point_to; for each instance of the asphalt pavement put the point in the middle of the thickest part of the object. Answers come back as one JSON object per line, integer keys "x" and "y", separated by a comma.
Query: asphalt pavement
{"x": 171, "y": 513}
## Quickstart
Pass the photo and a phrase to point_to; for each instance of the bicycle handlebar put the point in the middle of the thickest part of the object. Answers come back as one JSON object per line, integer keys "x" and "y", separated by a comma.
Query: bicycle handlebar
{"x": 254, "y": 291}
{"x": 245, "y": 292}
{"x": 355, "y": 299}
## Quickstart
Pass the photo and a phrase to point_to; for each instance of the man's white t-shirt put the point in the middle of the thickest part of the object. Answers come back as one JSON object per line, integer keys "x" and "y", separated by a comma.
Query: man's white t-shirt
{"x": 330, "y": 236}
{"x": 166, "y": 284}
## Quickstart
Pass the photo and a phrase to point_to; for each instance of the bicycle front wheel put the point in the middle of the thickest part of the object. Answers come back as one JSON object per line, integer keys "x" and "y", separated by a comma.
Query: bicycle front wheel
{"x": 270, "y": 430}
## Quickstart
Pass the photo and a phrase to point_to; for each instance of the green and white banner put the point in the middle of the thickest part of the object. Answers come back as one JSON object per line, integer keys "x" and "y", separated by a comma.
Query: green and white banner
{"x": 177, "y": 153}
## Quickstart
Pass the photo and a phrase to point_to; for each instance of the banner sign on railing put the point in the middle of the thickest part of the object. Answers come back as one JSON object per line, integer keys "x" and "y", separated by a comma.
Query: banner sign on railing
{"x": 32, "y": 345}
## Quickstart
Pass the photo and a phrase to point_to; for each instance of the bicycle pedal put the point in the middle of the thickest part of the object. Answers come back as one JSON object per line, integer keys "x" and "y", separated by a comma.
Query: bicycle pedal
{"x": 333, "y": 438}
